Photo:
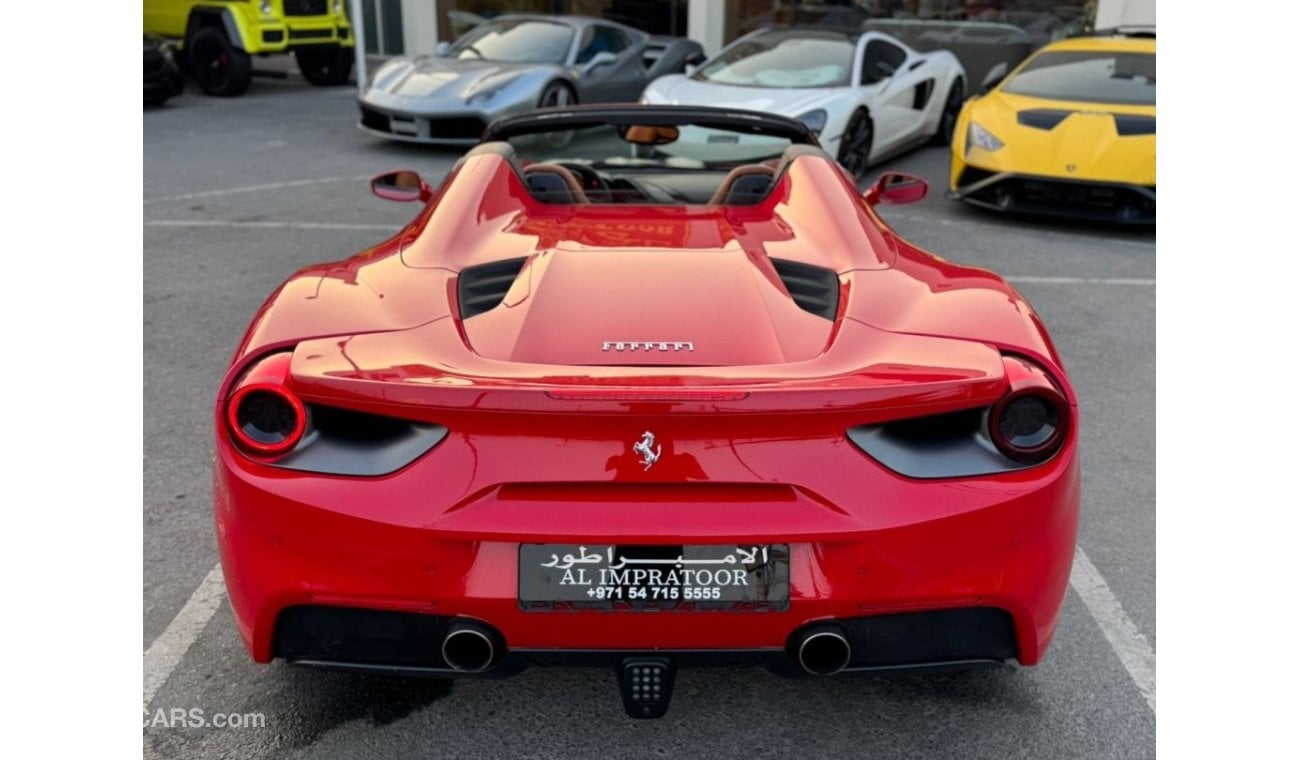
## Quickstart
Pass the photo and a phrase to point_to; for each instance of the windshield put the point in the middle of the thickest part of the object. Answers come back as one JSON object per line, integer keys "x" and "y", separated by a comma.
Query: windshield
{"x": 613, "y": 163}
{"x": 1092, "y": 77}
{"x": 515, "y": 41}
{"x": 782, "y": 59}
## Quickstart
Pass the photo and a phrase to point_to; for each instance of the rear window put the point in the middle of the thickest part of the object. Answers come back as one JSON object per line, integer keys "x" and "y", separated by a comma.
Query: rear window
{"x": 1093, "y": 77}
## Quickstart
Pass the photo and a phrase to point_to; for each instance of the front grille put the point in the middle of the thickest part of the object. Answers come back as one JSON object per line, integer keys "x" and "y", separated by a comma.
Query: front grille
{"x": 306, "y": 7}
{"x": 483, "y": 288}
{"x": 1080, "y": 200}
{"x": 970, "y": 175}
{"x": 457, "y": 127}
{"x": 310, "y": 34}
{"x": 273, "y": 35}
{"x": 814, "y": 289}
{"x": 375, "y": 120}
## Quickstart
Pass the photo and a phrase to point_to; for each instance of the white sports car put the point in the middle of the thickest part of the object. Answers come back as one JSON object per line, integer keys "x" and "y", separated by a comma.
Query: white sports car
{"x": 867, "y": 95}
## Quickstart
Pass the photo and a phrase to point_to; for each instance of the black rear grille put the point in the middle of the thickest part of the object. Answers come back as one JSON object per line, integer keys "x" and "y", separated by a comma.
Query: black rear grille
{"x": 483, "y": 288}
{"x": 375, "y": 120}
{"x": 306, "y": 7}
{"x": 457, "y": 127}
{"x": 815, "y": 289}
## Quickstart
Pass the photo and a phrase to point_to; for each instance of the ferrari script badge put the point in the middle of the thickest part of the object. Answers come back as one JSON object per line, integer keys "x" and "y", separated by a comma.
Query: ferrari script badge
{"x": 647, "y": 345}
{"x": 647, "y": 449}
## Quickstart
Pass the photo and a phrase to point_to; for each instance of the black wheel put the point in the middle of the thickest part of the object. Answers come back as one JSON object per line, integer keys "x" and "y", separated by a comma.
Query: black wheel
{"x": 557, "y": 95}
{"x": 218, "y": 66}
{"x": 855, "y": 145}
{"x": 948, "y": 119}
{"x": 325, "y": 67}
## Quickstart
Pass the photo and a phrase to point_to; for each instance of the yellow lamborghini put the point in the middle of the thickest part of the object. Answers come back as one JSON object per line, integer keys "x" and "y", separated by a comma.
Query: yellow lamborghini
{"x": 1071, "y": 132}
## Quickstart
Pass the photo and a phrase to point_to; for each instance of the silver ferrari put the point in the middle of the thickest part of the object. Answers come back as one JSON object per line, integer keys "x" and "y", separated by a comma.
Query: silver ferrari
{"x": 512, "y": 64}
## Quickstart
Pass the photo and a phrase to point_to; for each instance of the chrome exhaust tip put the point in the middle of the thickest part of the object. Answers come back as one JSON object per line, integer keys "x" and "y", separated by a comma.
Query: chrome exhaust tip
{"x": 470, "y": 648}
{"x": 823, "y": 652}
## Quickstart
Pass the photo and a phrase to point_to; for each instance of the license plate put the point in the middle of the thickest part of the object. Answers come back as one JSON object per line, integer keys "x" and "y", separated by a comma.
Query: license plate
{"x": 609, "y": 576}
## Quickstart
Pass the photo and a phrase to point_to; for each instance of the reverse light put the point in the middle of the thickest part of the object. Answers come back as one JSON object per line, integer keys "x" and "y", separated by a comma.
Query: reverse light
{"x": 1030, "y": 423}
{"x": 265, "y": 417}
{"x": 815, "y": 120}
{"x": 981, "y": 138}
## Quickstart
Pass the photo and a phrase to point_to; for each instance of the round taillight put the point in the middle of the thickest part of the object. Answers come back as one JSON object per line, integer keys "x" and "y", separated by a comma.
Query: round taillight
{"x": 266, "y": 418}
{"x": 1029, "y": 425}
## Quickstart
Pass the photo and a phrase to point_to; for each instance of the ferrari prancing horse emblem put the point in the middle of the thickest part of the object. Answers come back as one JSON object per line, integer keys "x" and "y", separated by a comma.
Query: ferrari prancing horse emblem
{"x": 647, "y": 449}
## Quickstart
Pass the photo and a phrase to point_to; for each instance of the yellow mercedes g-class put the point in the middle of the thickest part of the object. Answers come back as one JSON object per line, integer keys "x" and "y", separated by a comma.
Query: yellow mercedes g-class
{"x": 219, "y": 37}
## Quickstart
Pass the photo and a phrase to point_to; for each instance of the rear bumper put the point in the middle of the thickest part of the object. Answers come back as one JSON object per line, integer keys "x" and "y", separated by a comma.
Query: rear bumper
{"x": 1086, "y": 200}
{"x": 407, "y": 643}
{"x": 861, "y": 547}
{"x": 460, "y": 129}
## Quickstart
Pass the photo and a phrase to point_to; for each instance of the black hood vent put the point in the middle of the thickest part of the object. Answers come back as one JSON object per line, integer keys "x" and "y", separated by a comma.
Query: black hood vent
{"x": 1127, "y": 125}
{"x": 1042, "y": 118}
{"x": 816, "y": 290}
{"x": 484, "y": 287}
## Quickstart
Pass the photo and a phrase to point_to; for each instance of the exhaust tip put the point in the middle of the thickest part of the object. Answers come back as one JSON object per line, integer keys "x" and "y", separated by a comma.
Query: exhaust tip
{"x": 823, "y": 652}
{"x": 469, "y": 648}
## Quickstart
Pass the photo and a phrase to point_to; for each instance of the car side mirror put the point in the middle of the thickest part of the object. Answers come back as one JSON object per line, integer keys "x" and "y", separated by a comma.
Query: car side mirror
{"x": 442, "y": 49}
{"x": 598, "y": 60}
{"x": 994, "y": 77}
{"x": 896, "y": 188}
{"x": 403, "y": 185}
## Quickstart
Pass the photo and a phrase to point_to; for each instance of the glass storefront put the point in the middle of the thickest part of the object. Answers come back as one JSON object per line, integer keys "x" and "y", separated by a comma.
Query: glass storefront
{"x": 981, "y": 33}
{"x": 455, "y": 17}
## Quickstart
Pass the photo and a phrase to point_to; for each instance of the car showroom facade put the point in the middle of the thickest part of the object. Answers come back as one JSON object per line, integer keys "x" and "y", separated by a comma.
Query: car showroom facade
{"x": 394, "y": 27}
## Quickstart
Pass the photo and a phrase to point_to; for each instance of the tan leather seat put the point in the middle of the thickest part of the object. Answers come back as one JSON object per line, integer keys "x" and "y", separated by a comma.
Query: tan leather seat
{"x": 744, "y": 185}
{"x": 552, "y": 183}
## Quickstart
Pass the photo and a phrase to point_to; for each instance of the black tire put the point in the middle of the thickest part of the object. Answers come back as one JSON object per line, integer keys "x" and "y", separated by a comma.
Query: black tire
{"x": 327, "y": 66}
{"x": 557, "y": 95}
{"x": 855, "y": 145}
{"x": 948, "y": 117}
{"x": 218, "y": 66}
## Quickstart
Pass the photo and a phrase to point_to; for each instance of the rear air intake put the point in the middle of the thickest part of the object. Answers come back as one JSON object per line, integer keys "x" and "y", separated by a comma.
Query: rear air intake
{"x": 483, "y": 288}
{"x": 816, "y": 290}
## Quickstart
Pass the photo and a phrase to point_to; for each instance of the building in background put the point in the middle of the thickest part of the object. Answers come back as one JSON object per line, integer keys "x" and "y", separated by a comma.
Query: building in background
{"x": 394, "y": 27}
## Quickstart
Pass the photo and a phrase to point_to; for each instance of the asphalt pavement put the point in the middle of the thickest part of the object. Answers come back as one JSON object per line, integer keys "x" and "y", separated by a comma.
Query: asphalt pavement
{"x": 240, "y": 193}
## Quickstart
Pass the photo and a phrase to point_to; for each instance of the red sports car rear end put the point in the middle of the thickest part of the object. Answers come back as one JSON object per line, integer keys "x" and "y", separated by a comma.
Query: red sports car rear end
{"x": 697, "y": 407}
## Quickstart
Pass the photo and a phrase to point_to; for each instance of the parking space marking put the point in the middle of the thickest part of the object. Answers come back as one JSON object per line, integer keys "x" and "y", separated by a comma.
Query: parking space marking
{"x": 1146, "y": 282}
{"x": 167, "y": 651}
{"x": 271, "y": 225}
{"x": 945, "y": 221}
{"x": 253, "y": 188}
{"x": 1128, "y": 642}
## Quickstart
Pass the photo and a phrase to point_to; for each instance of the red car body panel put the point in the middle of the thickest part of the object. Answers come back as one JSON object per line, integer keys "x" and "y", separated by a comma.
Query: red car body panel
{"x": 540, "y": 417}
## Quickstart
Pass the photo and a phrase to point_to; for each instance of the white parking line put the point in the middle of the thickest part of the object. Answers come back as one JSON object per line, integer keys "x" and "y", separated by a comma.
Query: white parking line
{"x": 167, "y": 651}
{"x": 253, "y": 188}
{"x": 271, "y": 225}
{"x": 1083, "y": 280}
{"x": 1128, "y": 642}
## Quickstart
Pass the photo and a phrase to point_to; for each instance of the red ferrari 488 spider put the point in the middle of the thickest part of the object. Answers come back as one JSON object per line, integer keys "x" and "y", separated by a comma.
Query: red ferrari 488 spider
{"x": 646, "y": 388}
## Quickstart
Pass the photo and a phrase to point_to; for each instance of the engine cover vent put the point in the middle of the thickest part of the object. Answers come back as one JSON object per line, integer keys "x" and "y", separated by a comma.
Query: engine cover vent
{"x": 815, "y": 289}
{"x": 484, "y": 287}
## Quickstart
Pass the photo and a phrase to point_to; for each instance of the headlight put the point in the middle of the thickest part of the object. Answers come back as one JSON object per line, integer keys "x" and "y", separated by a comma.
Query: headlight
{"x": 487, "y": 88}
{"x": 816, "y": 120}
{"x": 982, "y": 138}
{"x": 265, "y": 7}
